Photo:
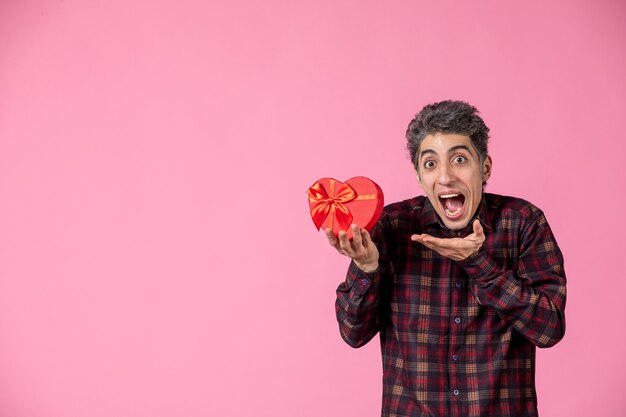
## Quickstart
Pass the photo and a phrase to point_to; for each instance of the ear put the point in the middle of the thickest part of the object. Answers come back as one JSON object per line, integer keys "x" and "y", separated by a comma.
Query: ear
{"x": 419, "y": 181}
{"x": 487, "y": 164}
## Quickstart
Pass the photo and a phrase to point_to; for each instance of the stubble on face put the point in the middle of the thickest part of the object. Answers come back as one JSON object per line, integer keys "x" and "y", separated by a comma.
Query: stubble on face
{"x": 452, "y": 175}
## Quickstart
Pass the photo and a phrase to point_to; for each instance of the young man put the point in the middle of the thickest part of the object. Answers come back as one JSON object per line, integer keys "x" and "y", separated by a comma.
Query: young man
{"x": 462, "y": 285}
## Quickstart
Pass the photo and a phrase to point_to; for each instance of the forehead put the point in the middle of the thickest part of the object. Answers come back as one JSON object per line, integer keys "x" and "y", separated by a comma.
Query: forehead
{"x": 443, "y": 143}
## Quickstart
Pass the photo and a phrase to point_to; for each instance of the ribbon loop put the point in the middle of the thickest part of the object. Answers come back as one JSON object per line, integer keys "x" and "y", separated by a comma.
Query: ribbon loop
{"x": 331, "y": 203}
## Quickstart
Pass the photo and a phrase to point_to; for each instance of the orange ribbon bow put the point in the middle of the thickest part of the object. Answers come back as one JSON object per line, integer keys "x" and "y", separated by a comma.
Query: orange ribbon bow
{"x": 331, "y": 203}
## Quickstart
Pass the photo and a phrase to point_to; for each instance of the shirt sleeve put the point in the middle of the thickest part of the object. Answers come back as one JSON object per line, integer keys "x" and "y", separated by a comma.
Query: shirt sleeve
{"x": 357, "y": 306}
{"x": 531, "y": 298}
{"x": 358, "y": 301}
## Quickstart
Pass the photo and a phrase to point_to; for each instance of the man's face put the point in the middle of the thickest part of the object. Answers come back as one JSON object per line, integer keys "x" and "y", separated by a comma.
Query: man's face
{"x": 451, "y": 175}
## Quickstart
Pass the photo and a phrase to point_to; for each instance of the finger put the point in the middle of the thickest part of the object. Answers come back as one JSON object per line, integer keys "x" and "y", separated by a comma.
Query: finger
{"x": 366, "y": 238}
{"x": 345, "y": 244}
{"x": 357, "y": 241}
{"x": 419, "y": 238}
{"x": 435, "y": 242}
{"x": 332, "y": 239}
{"x": 430, "y": 239}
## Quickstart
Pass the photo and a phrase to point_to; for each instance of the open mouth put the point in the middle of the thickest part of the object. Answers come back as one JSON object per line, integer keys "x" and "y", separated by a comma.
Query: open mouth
{"x": 452, "y": 204}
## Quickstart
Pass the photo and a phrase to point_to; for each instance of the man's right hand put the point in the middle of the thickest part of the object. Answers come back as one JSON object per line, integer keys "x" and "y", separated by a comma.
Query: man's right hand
{"x": 361, "y": 248}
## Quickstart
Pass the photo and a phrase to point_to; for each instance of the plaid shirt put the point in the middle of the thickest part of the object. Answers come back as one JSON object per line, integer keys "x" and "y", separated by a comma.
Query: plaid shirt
{"x": 458, "y": 338}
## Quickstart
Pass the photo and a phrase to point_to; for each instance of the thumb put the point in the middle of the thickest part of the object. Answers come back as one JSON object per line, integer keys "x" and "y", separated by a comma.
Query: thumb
{"x": 478, "y": 228}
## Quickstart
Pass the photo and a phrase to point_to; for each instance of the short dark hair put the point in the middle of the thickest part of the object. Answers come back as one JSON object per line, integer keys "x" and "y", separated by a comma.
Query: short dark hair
{"x": 447, "y": 116}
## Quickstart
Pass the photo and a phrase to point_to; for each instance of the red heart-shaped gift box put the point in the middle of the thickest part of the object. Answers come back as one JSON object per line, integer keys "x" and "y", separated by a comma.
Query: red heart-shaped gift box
{"x": 337, "y": 205}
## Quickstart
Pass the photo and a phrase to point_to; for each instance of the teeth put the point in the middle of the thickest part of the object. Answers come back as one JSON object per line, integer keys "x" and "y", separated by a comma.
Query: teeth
{"x": 448, "y": 195}
{"x": 453, "y": 213}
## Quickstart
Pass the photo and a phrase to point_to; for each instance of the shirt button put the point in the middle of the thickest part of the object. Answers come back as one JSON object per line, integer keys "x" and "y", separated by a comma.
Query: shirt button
{"x": 458, "y": 284}
{"x": 364, "y": 281}
{"x": 457, "y": 320}
{"x": 456, "y": 392}
{"x": 454, "y": 357}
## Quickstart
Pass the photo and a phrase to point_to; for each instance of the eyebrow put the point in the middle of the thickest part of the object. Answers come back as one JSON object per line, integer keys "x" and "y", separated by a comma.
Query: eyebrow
{"x": 425, "y": 151}
{"x": 457, "y": 147}
{"x": 452, "y": 149}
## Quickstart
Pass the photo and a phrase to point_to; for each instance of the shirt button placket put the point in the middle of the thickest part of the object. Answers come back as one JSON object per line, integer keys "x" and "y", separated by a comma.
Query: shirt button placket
{"x": 456, "y": 338}
{"x": 455, "y": 357}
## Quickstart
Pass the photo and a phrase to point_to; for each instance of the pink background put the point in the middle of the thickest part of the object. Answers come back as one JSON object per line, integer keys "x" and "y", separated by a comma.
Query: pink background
{"x": 156, "y": 252}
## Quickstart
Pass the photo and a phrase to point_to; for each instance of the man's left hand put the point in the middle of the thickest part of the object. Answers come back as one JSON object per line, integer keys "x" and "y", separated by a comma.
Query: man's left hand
{"x": 454, "y": 248}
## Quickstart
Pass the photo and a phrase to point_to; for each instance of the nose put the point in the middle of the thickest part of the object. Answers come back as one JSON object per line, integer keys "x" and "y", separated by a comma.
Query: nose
{"x": 446, "y": 174}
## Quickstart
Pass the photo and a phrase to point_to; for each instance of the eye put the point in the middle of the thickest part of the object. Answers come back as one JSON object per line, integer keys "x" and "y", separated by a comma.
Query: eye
{"x": 459, "y": 159}
{"x": 429, "y": 164}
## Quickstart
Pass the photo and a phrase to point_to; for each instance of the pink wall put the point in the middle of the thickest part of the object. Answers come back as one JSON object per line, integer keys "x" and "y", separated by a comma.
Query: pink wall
{"x": 157, "y": 257}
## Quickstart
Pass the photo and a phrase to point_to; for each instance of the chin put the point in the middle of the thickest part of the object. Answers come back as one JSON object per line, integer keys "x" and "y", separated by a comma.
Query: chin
{"x": 456, "y": 226}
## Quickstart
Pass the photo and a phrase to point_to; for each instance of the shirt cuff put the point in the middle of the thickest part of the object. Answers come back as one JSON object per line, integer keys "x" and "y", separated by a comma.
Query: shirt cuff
{"x": 360, "y": 280}
{"x": 480, "y": 267}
